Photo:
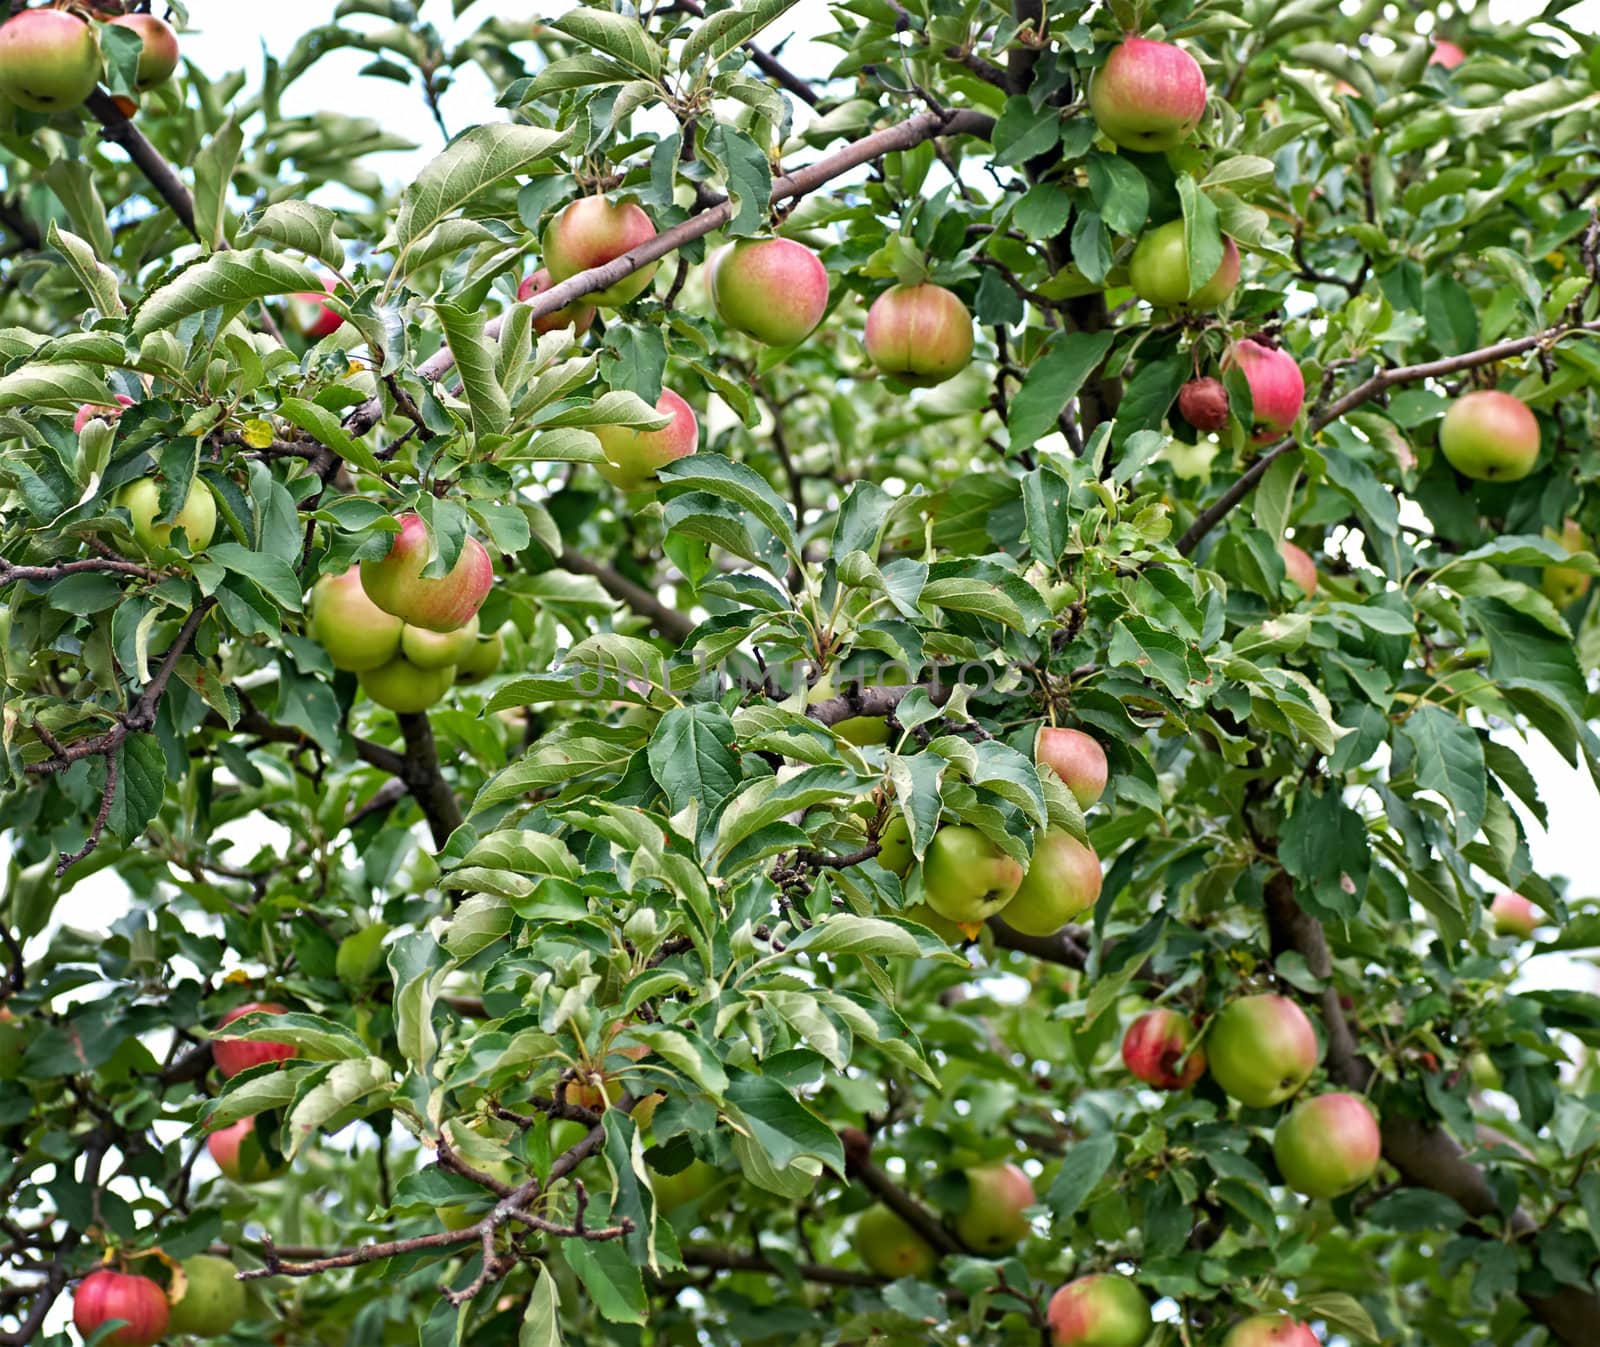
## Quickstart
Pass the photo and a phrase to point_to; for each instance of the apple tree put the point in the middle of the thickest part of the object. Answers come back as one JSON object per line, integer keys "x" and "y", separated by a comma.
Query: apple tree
{"x": 854, "y": 690}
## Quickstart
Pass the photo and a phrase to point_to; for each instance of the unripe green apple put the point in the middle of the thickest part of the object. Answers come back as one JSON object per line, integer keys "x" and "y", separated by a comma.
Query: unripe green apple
{"x": 1148, "y": 95}
{"x": 993, "y": 1222}
{"x": 198, "y": 517}
{"x": 1564, "y": 585}
{"x": 160, "y": 55}
{"x": 919, "y": 334}
{"x": 578, "y": 316}
{"x": 356, "y": 633}
{"x": 213, "y": 1298}
{"x": 404, "y": 688}
{"x": 1261, "y": 1049}
{"x": 1063, "y": 880}
{"x": 1299, "y": 566}
{"x": 1270, "y": 1330}
{"x": 691, "y": 1183}
{"x": 49, "y": 60}
{"x": 946, "y": 930}
{"x": 966, "y": 878}
{"x": 1514, "y": 915}
{"x": 435, "y": 649}
{"x": 1076, "y": 758}
{"x": 894, "y": 846}
{"x": 239, "y": 1154}
{"x": 775, "y": 290}
{"x": 1103, "y": 1310}
{"x": 633, "y": 457}
{"x": 396, "y": 583}
{"x": 890, "y": 1247}
{"x": 1491, "y": 436}
{"x": 591, "y": 232}
{"x": 1158, "y": 271}
{"x": 1327, "y": 1145}
{"x": 482, "y": 660}
{"x": 1157, "y": 1049}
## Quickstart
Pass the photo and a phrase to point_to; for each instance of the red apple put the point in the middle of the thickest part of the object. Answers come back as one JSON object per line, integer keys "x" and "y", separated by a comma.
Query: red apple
{"x": 1514, "y": 915}
{"x": 314, "y": 319}
{"x": 634, "y": 456}
{"x": 1261, "y": 1049}
{"x": 919, "y": 334}
{"x": 1446, "y": 53}
{"x": 1154, "y": 1050}
{"x": 1099, "y": 1311}
{"x": 1076, "y": 758}
{"x": 105, "y": 1295}
{"x": 49, "y": 60}
{"x": 1491, "y": 436}
{"x": 234, "y": 1055}
{"x": 775, "y": 290}
{"x": 1148, "y": 95}
{"x": 1301, "y": 569}
{"x": 577, "y": 316}
{"x": 593, "y": 231}
{"x": 356, "y": 633}
{"x": 992, "y": 1221}
{"x": 160, "y": 55}
{"x": 1277, "y": 389}
{"x": 238, "y": 1153}
{"x": 1158, "y": 271}
{"x": 1328, "y": 1145}
{"x": 90, "y": 410}
{"x": 1270, "y": 1330}
{"x": 1204, "y": 404}
{"x": 396, "y": 583}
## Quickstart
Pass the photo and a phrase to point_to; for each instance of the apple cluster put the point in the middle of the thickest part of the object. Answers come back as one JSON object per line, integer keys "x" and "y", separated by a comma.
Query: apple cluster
{"x": 50, "y": 58}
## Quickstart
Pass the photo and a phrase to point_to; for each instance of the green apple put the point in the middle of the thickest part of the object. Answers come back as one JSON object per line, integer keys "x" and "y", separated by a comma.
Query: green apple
{"x": 993, "y": 1221}
{"x": 1099, "y": 1311}
{"x": 482, "y": 660}
{"x": 1514, "y": 915}
{"x": 198, "y": 517}
{"x": 1261, "y": 1049}
{"x": 894, "y": 846}
{"x": 1490, "y": 435}
{"x": 1063, "y": 880}
{"x": 160, "y": 55}
{"x": 404, "y": 688}
{"x": 1564, "y": 585}
{"x": 966, "y": 878}
{"x": 356, "y": 633}
{"x": 890, "y": 1247}
{"x": 1328, "y": 1145}
{"x": 1158, "y": 271}
{"x": 213, "y": 1298}
{"x": 396, "y": 584}
{"x": 775, "y": 290}
{"x": 919, "y": 334}
{"x": 690, "y": 1184}
{"x": 435, "y": 649}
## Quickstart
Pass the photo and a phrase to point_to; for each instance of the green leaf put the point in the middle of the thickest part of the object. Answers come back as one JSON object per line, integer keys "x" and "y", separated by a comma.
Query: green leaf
{"x": 226, "y": 281}
{"x": 319, "y": 1039}
{"x": 693, "y": 757}
{"x": 72, "y": 180}
{"x": 742, "y": 486}
{"x": 610, "y": 1278}
{"x": 1082, "y": 1168}
{"x": 720, "y": 33}
{"x": 1449, "y": 760}
{"x": 98, "y": 280}
{"x": 619, "y": 36}
{"x": 300, "y": 225}
{"x": 213, "y": 175}
{"x": 487, "y": 401}
{"x": 324, "y": 427}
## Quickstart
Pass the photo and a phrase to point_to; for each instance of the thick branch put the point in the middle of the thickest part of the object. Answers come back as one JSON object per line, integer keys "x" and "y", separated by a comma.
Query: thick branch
{"x": 1364, "y": 392}
{"x": 870, "y": 701}
{"x": 726, "y": 1260}
{"x": 668, "y": 621}
{"x": 419, "y": 769}
{"x": 147, "y": 159}
{"x": 859, "y": 1163}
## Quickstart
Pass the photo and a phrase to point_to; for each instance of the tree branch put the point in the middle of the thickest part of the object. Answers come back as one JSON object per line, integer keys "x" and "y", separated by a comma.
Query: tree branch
{"x": 725, "y": 1260}
{"x": 672, "y": 624}
{"x": 419, "y": 769}
{"x": 146, "y": 158}
{"x": 859, "y": 1163}
{"x": 11, "y": 574}
{"x": 763, "y": 61}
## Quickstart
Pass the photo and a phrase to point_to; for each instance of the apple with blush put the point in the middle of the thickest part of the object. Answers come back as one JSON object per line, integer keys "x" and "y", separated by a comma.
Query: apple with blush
{"x": 1062, "y": 881}
{"x": 49, "y": 60}
{"x": 1270, "y": 1330}
{"x": 1148, "y": 95}
{"x": 775, "y": 290}
{"x": 1490, "y": 436}
{"x": 233, "y": 1055}
{"x": 577, "y": 315}
{"x": 633, "y": 456}
{"x": 1329, "y": 1145}
{"x": 966, "y": 878}
{"x": 993, "y": 1220}
{"x": 106, "y": 1294}
{"x": 1101, "y": 1310}
{"x": 1159, "y": 1049}
{"x": 357, "y": 634}
{"x": 920, "y": 335}
{"x": 159, "y": 58}
{"x": 1513, "y": 914}
{"x": 1076, "y": 758}
{"x": 589, "y": 233}
{"x": 395, "y": 582}
{"x": 1277, "y": 388}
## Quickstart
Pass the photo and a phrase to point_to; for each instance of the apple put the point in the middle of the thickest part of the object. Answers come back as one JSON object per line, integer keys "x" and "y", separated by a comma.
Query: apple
{"x": 160, "y": 55}
{"x": 894, "y": 846}
{"x": 966, "y": 878}
{"x": 946, "y": 930}
{"x": 89, "y": 411}
{"x": 1301, "y": 569}
{"x": 435, "y": 649}
{"x": 1446, "y": 53}
{"x": 396, "y": 583}
{"x": 1076, "y": 758}
{"x": 213, "y": 1298}
{"x": 1485, "y": 1074}
{"x": 1103, "y": 1310}
{"x": 1491, "y": 436}
{"x": 593, "y": 231}
{"x": 404, "y": 688}
{"x": 49, "y": 60}
{"x": 1148, "y": 95}
{"x": 356, "y": 633}
{"x": 198, "y": 517}
{"x": 1261, "y": 1049}
{"x": 1277, "y": 388}
{"x": 105, "y": 1295}
{"x": 1563, "y": 585}
{"x": 890, "y": 1247}
{"x": 634, "y": 456}
{"x": 689, "y": 1184}
{"x": 576, "y": 315}
{"x": 233, "y": 1055}
{"x": 1157, "y": 1049}
{"x": 1514, "y": 915}
{"x": 919, "y": 334}
{"x": 483, "y": 659}
{"x": 314, "y": 319}
{"x": 1063, "y": 880}
{"x": 1158, "y": 271}
{"x": 775, "y": 290}
{"x": 992, "y": 1221}
{"x": 1328, "y": 1145}
{"x": 1204, "y": 404}
{"x": 239, "y": 1153}
{"x": 1270, "y": 1330}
